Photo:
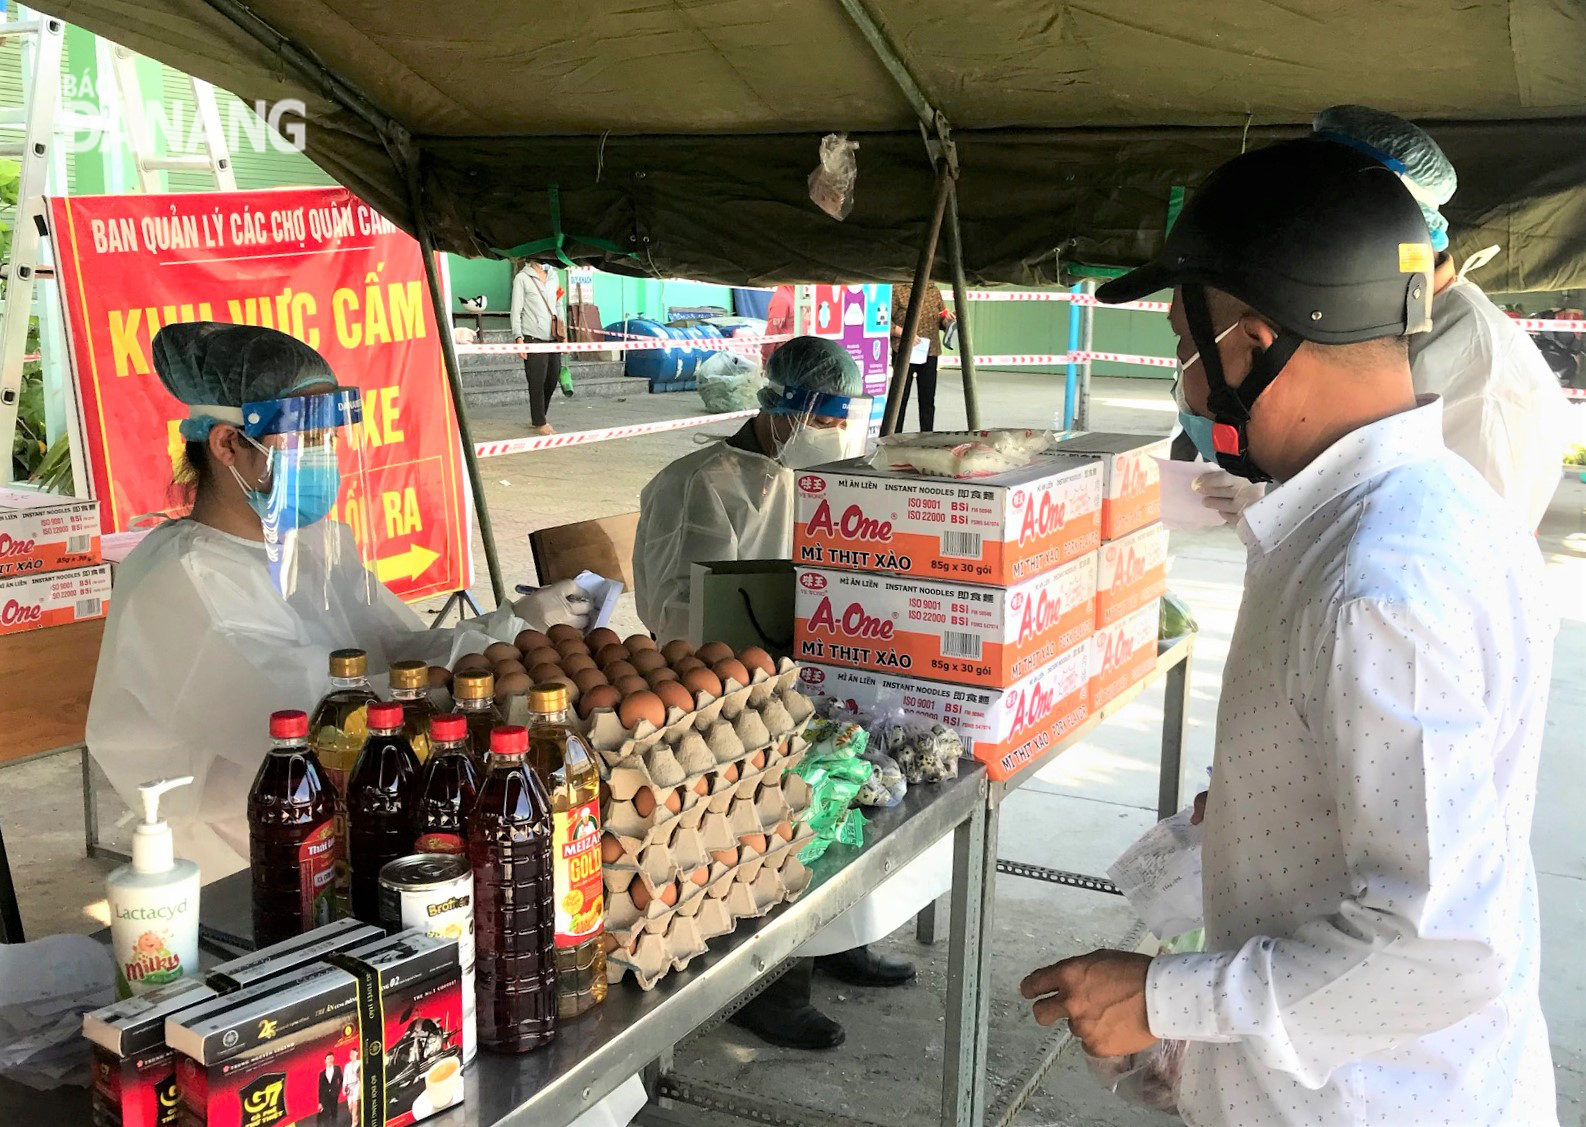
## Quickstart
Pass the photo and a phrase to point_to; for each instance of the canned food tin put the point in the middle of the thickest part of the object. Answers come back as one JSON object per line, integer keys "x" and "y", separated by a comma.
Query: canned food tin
{"x": 434, "y": 892}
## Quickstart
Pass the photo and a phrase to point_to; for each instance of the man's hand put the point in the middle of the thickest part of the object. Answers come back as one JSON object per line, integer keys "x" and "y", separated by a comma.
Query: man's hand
{"x": 1102, "y": 995}
{"x": 521, "y": 351}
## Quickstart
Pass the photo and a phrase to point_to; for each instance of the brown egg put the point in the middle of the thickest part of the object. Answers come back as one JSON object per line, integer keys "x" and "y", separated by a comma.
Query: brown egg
{"x": 531, "y": 640}
{"x": 440, "y": 677}
{"x": 472, "y": 661}
{"x": 784, "y": 830}
{"x": 755, "y": 658}
{"x": 700, "y": 876}
{"x": 757, "y": 760}
{"x": 661, "y": 676}
{"x": 756, "y": 842}
{"x": 647, "y": 660}
{"x": 728, "y": 857}
{"x": 627, "y": 686}
{"x": 702, "y": 680}
{"x": 731, "y": 669}
{"x": 676, "y": 650}
{"x": 641, "y": 706}
{"x": 545, "y": 671}
{"x": 730, "y": 772}
{"x": 610, "y": 849}
{"x": 511, "y": 665}
{"x": 570, "y": 648}
{"x": 577, "y": 663}
{"x": 640, "y": 895}
{"x": 562, "y": 632}
{"x": 684, "y": 664}
{"x": 674, "y": 801}
{"x": 712, "y": 652}
{"x": 587, "y": 679}
{"x": 616, "y": 669}
{"x": 609, "y": 942}
{"x": 612, "y": 651}
{"x": 669, "y": 894}
{"x": 544, "y": 655}
{"x": 702, "y": 785}
{"x": 601, "y": 636}
{"x": 644, "y": 802}
{"x": 673, "y": 695}
{"x": 601, "y": 696}
{"x": 637, "y": 642}
{"x": 502, "y": 651}
{"x": 512, "y": 684}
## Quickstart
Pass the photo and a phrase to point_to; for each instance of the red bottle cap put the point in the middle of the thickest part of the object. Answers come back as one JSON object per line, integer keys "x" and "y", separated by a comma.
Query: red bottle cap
{"x": 385, "y": 715}
{"x": 509, "y": 739}
{"x": 448, "y": 728}
{"x": 289, "y": 724}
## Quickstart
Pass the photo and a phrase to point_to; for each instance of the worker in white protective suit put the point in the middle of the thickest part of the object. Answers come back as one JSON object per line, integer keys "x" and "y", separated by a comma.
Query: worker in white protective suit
{"x": 221, "y": 618}
{"x": 1503, "y": 409}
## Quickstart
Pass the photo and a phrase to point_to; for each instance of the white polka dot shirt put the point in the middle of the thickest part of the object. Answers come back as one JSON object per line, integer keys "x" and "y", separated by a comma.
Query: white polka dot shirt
{"x": 1371, "y": 902}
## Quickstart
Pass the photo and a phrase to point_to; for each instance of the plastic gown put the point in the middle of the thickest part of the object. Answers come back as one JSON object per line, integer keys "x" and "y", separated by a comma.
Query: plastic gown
{"x": 199, "y": 649}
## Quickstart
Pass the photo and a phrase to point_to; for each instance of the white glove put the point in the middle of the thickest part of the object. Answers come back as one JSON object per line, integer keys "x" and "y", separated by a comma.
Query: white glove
{"x": 1228, "y": 493}
{"x": 554, "y": 604}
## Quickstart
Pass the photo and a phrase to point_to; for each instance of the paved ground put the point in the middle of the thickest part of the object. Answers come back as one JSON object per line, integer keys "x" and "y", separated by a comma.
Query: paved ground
{"x": 1079, "y": 814}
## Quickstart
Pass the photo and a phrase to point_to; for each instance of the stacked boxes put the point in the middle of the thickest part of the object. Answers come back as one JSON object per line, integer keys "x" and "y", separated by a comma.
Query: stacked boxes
{"x": 50, "y": 569}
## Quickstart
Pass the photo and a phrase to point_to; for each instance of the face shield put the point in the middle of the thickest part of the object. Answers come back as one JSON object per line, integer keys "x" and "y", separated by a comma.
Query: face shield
{"x": 314, "y": 488}
{"x": 815, "y": 428}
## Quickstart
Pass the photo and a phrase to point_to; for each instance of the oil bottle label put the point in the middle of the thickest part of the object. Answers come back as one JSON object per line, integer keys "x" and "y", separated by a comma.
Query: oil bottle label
{"x": 580, "y": 899}
{"x": 316, "y": 867}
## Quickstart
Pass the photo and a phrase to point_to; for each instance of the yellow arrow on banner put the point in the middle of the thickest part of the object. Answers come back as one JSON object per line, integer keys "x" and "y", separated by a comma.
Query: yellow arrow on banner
{"x": 405, "y": 565}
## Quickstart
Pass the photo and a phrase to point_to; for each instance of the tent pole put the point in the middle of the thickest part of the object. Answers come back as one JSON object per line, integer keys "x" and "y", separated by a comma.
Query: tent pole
{"x": 966, "y": 354}
{"x": 911, "y": 319}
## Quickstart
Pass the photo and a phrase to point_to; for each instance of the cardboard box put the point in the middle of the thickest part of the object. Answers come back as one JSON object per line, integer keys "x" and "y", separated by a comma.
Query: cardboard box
{"x": 1132, "y": 485}
{"x": 957, "y": 632}
{"x": 34, "y": 601}
{"x": 1131, "y": 572}
{"x": 995, "y": 530}
{"x": 262, "y": 1062}
{"x": 1006, "y": 729}
{"x": 42, "y": 532}
{"x": 289, "y": 955}
{"x": 1123, "y": 654}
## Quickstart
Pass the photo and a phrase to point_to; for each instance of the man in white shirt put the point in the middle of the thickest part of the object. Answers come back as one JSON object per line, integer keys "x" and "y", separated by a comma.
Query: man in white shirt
{"x": 1370, "y": 897}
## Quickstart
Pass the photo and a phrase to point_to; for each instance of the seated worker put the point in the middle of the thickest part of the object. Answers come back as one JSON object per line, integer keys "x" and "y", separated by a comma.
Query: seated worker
{"x": 231, "y": 613}
{"x": 733, "y": 500}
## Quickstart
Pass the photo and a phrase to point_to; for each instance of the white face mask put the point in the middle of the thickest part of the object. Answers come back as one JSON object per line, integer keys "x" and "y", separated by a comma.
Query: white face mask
{"x": 813, "y": 446}
{"x": 1184, "y": 367}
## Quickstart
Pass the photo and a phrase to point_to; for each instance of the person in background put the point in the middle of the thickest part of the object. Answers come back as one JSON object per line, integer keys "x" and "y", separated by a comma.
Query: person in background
{"x": 329, "y": 1092}
{"x": 352, "y": 1087}
{"x": 1503, "y": 409}
{"x": 537, "y": 319}
{"x": 924, "y": 350}
{"x": 1371, "y": 907}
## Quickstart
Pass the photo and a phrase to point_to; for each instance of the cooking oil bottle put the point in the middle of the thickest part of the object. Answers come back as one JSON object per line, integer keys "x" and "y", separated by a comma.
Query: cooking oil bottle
{"x": 410, "y": 687}
{"x": 337, "y": 729}
{"x": 563, "y": 760}
{"x": 474, "y": 696}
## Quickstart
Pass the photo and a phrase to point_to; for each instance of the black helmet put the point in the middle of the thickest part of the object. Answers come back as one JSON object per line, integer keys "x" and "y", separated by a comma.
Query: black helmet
{"x": 1314, "y": 235}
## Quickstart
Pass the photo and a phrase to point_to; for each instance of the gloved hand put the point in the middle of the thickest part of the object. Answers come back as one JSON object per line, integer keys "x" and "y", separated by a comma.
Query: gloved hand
{"x": 1228, "y": 493}
{"x": 554, "y": 604}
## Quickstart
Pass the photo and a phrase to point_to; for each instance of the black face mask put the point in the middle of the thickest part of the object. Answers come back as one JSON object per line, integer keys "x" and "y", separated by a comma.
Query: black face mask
{"x": 1230, "y": 407}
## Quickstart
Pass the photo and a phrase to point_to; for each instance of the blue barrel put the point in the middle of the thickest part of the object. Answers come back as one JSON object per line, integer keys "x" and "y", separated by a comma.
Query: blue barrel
{"x": 652, "y": 364}
{"x": 687, "y": 355}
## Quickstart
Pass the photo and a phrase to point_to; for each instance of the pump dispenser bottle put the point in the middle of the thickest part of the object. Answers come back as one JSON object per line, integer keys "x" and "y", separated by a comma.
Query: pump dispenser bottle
{"x": 153, "y": 904}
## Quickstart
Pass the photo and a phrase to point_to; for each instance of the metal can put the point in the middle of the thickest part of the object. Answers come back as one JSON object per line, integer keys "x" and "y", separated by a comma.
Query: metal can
{"x": 434, "y": 892}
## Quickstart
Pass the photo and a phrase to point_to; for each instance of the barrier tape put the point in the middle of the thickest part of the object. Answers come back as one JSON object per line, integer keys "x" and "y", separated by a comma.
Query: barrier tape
{"x": 1018, "y": 360}
{"x": 605, "y": 434}
{"x": 1543, "y": 325}
{"x": 709, "y": 344}
{"x": 1058, "y": 295}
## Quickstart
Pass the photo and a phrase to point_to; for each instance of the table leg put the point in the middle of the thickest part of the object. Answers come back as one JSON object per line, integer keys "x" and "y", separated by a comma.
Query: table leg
{"x": 90, "y": 806}
{"x": 925, "y": 924}
{"x": 964, "y": 1055}
{"x": 1175, "y": 715}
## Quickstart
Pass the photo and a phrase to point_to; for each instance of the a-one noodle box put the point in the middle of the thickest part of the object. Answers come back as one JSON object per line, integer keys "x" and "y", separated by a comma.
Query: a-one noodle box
{"x": 1123, "y": 654}
{"x": 1132, "y": 481}
{"x": 42, "y": 532}
{"x": 1132, "y": 571}
{"x": 394, "y": 1007}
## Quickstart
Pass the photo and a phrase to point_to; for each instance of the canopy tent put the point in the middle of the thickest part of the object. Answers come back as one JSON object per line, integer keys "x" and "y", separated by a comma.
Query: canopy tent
{"x": 682, "y": 131}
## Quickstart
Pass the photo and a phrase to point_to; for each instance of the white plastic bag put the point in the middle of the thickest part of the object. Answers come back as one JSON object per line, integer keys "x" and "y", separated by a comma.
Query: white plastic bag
{"x": 832, "y": 183}
{"x": 1150, "y": 1077}
{"x": 729, "y": 382}
{"x": 958, "y": 454}
{"x": 1160, "y": 876}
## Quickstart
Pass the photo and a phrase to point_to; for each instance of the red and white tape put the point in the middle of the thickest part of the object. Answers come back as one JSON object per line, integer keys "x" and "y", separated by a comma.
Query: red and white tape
{"x": 1023, "y": 360}
{"x": 605, "y": 434}
{"x": 708, "y": 344}
{"x": 1546, "y": 325}
{"x": 1058, "y": 295}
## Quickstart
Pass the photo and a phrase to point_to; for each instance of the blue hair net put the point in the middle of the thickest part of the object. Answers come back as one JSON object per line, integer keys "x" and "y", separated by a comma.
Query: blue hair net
{"x": 210, "y": 364}
{"x": 1404, "y": 147}
{"x": 814, "y": 364}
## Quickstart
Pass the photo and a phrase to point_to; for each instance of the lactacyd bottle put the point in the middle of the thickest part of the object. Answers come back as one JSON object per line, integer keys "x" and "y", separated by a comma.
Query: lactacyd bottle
{"x": 153, "y": 904}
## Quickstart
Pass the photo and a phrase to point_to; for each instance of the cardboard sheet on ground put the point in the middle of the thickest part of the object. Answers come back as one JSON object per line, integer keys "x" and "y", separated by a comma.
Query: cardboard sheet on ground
{"x": 1183, "y": 509}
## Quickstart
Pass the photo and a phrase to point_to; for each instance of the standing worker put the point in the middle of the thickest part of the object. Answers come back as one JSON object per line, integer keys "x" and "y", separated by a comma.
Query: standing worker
{"x": 227, "y": 615}
{"x": 537, "y": 319}
{"x": 925, "y": 350}
{"x": 1503, "y": 409}
{"x": 1371, "y": 916}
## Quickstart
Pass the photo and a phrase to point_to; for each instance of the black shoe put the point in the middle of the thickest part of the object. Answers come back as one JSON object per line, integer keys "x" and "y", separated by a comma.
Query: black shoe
{"x": 802, "y": 1027}
{"x": 863, "y": 967}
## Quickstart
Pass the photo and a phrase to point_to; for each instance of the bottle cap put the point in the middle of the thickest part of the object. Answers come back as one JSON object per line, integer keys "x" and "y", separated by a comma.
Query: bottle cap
{"x": 386, "y": 715}
{"x": 448, "y": 728}
{"x": 474, "y": 685}
{"x": 509, "y": 739}
{"x": 551, "y": 696}
{"x": 410, "y": 675}
{"x": 288, "y": 724}
{"x": 349, "y": 663}
{"x": 152, "y": 850}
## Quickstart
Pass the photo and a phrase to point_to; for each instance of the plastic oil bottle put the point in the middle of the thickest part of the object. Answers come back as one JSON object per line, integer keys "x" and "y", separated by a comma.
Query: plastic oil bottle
{"x": 379, "y": 796}
{"x": 410, "y": 687}
{"x": 337, "y": 729}
{"x": 292, "y": 844}
{"x": 562, "y": 759}
{"x": 474, "y": 697}
{"x": 509, "y": 847}
{"x": 447, "y": 789}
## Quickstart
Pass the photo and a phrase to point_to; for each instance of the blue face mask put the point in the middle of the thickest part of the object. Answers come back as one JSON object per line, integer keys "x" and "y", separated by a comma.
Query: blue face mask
{"x": 303, "y": 490}
{"x": 1198, "y": 427}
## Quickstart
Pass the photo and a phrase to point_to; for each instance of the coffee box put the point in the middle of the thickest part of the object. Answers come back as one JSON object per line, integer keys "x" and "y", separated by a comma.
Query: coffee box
{"x": 42, "y": 532}
{"x": 1006, "y": 729}
{"x": 1131, "y": 572}
{"x": 37, "y": 600}
{"x": 997, "y": 530}
{"x": 1123, "y": 653}
{"x": 1132, "y": 485}
{"x": 958, "y": 632}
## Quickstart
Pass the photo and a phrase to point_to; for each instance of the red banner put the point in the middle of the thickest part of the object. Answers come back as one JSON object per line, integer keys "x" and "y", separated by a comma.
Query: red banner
{"x": 314, "y": 262}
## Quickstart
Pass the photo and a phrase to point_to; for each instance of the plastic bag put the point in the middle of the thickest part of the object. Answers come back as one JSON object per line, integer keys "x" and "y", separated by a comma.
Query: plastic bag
{"x": 925, "y": 751}
{"x": 886, "y": 785}
{"x": 958, "y": 454}
{"x": 1149, "y": 1078}
{"x": 729, "y": 382}
{"x": 1176, "y": 619}
{"x": 832, "y": 183}
{"x": 836, "y": 774}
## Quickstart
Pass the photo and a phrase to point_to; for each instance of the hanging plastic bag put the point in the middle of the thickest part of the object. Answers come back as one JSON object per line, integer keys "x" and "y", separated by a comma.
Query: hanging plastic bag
{"x": 1149, "y": 1078}
{"x": 729, "y": 382}
{"x": 832, "y": 183}
{"x": 960, "y": 454}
